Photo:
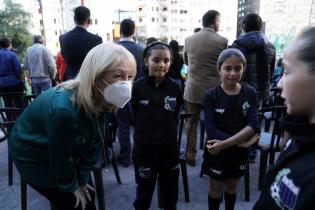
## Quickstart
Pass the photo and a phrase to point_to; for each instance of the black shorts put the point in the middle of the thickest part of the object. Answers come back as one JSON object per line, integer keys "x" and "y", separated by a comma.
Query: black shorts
{"x": 230, "y": 163}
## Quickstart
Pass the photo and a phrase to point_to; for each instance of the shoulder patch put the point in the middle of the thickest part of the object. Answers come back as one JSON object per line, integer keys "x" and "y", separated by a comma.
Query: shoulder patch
{"x": 283, "y": 190}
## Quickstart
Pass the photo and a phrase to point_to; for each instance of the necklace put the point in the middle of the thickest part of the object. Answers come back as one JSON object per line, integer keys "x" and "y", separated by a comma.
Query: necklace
{"x": 102, "y": 139}
{"x": 99, "y": 131}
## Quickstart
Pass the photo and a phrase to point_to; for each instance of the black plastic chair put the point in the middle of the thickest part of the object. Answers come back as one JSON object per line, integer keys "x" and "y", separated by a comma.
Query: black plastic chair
{"x": 12, "y": 99}
{"x": 272, "y": 137}
{"x": 182, "y": 161}
{"x": 107, "y": 157}
{"x": 8, "y": 118}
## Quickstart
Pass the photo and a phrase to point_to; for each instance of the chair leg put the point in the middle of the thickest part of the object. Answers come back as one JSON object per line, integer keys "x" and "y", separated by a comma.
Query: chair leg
{"x": 10, "y": 169}
{"x": 99, "y": 188}
{"x": 23, "y": 194}
{"x": 247, "y": 184}
{"x": 202, "y": 134}
{"x": 117, "y": 175}
{"x": 262, "y": 168}
{"x": 183, "y": 169}
{"x": 159, "y": 195}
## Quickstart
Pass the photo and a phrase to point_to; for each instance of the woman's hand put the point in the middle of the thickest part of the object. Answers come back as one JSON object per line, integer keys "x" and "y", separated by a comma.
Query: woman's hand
{"x": 85, "y": 189}
{"x": 215, "y": 146}
{"x": 249, "y": 142}
{"x": 82, "y": 195}
{"x": 79, "y": 198}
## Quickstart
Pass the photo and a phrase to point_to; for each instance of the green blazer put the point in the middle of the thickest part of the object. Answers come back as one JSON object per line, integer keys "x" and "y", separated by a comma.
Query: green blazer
{"x": 54, "y": 144}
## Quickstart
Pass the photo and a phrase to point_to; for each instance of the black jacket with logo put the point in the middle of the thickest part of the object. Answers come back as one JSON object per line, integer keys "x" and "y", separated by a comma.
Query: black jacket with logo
{"x": 290, "y": 183}
{"x": 155, "y": 110}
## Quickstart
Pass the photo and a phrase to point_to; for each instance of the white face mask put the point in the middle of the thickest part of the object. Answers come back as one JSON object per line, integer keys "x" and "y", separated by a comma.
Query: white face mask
{"x": 118, "y": 93}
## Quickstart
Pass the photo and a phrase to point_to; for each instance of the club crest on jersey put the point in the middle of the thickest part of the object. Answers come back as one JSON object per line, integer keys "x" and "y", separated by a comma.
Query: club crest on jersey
{"x": 284, "y": 191}
{"x": 169, "y": 103}
{"x": 221, "y": 111}
{"x": 245, "y": 107}
{"x": 143, "y": 102}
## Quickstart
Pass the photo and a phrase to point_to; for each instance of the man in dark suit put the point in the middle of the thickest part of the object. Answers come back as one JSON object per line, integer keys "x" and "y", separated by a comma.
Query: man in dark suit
{"x": 76, "y": 43}
{"x": 123, "y": 116}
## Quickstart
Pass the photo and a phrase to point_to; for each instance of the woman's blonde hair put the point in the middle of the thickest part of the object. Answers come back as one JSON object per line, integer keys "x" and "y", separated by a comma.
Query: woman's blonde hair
{"x": 102, "y": 58}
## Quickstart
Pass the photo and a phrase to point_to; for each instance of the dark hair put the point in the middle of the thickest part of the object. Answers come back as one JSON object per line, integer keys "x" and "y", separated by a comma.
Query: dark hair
{"x": 304, "y": 46}
{"x": 127, "y": 27}
{"x": 81, "y": 15}
{"x": 154, "y": 46}
{"x": 197, "y": 30}
{"x": 228, "y": 53}
{"x": 38, "y": 39}
{"x": 150, "y": 40}
{"x": 279, "y": 62}
{"x": 209, "y": 18}
{"x": 4, "y": 43}
{"x": 252, "y": 22}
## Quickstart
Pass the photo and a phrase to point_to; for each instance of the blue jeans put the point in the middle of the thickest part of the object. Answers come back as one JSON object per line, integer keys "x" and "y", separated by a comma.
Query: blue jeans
{"x": 40, "y": 85}
{"x": 124, "y": 121}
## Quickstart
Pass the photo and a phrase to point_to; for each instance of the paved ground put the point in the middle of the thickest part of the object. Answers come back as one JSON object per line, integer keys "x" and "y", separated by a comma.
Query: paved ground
{"x": 120, "y": 197}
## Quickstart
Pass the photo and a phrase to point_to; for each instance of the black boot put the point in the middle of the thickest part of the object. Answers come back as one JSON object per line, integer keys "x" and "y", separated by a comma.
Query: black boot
{"x": 214, "y": 203}
{"x": 229, "y": 200}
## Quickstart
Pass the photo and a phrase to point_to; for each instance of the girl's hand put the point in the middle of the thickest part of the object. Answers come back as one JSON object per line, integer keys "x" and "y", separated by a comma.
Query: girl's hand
{"x": 85, "y": 189}
{"x": 79, "y": 198}
{"x": 249, "y": 142}
{"x": 215, "y": 146}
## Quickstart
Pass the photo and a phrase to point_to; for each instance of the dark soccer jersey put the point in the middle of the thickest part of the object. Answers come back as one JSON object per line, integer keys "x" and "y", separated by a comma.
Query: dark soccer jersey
{"x": 225, "y": 115}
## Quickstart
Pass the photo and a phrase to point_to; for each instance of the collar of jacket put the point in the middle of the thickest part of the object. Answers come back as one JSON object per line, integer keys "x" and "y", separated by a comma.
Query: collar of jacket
{"x": 150, "y": 80}
{"x": 208, "y": 29}
{"x": 81, "y": 28}
{"x": 300, "y": 130}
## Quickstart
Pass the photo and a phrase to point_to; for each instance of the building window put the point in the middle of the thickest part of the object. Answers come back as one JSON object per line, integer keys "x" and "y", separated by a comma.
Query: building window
{"x": 96, "y": 21}
{"x": 157, "y": 9}
{"x": 153, "y": 20}
{"x": 140, "y": 20}
{"x": 91, "y": 22}
{"x": 183, "y": 12}
{"x": 55, "y": 21}
{"x": 164, "y": 9}
{"x": 56, "y": 33}
{"x": 152, "y": 9}
{"x": 140, "y": 9}
{"x": 164, "y": 20}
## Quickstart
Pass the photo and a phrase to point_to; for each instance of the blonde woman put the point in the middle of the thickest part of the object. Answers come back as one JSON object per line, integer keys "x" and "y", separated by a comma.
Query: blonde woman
{"x": 57, "y": 139}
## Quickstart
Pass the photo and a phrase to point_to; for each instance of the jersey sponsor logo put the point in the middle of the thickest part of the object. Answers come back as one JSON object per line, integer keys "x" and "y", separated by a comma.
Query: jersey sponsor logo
{"x": 284, "y": 191}
{"x": 169, "y": 103}
{"x": 145, "y": 172}
{"x": 143, "y": 102}
{"x": 221, "y": 111}
{"x": 245, "y": 107}
{"x": 217, "y": 172}
{"x": 242, "y": 167}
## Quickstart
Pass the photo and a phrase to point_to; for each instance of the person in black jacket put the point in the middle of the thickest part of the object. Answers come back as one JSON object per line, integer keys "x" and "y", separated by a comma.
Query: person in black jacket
{"x": 231, "y": 121}
{"x": 259, "y": 53}
{"x": 76, "y": 43}
{"x": 290, "y": 183}
{"x": 156, "y": 102}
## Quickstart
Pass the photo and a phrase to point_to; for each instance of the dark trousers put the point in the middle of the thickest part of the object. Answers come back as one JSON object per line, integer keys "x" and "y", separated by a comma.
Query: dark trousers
{"x": 124, "y": 121}
{"x": 14, "y": 100}
{"x": 60, "y": 200}
{"x": 146, "y": 178}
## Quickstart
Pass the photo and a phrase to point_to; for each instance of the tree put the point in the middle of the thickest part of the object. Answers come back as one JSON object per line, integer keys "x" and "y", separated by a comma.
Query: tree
{"x": 14, "y": 22}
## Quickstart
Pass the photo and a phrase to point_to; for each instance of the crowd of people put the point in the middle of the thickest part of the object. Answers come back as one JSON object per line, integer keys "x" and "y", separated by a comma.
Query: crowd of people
{"x": 59, "y": 137}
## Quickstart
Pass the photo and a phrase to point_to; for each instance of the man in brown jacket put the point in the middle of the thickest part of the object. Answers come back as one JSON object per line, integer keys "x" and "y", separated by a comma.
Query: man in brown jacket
{"x": 201, "y": 52}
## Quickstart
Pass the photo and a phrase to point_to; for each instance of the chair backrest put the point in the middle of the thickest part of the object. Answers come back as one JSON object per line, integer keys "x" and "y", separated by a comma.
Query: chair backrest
{"x": 27, "y": 99}
{"x": 5, "y": 128}
{"x": 275, "y": 114}
{"x": 10, "y": 114}
{"x": 12, "y": 99}
{"x": 182, "y": 118}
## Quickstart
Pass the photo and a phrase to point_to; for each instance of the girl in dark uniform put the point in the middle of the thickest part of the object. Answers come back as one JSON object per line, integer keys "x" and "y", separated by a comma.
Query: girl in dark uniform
{"x": 156, "y": 101}
{"x": 231, "y": 120}
{"x": 290, "y": 182}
